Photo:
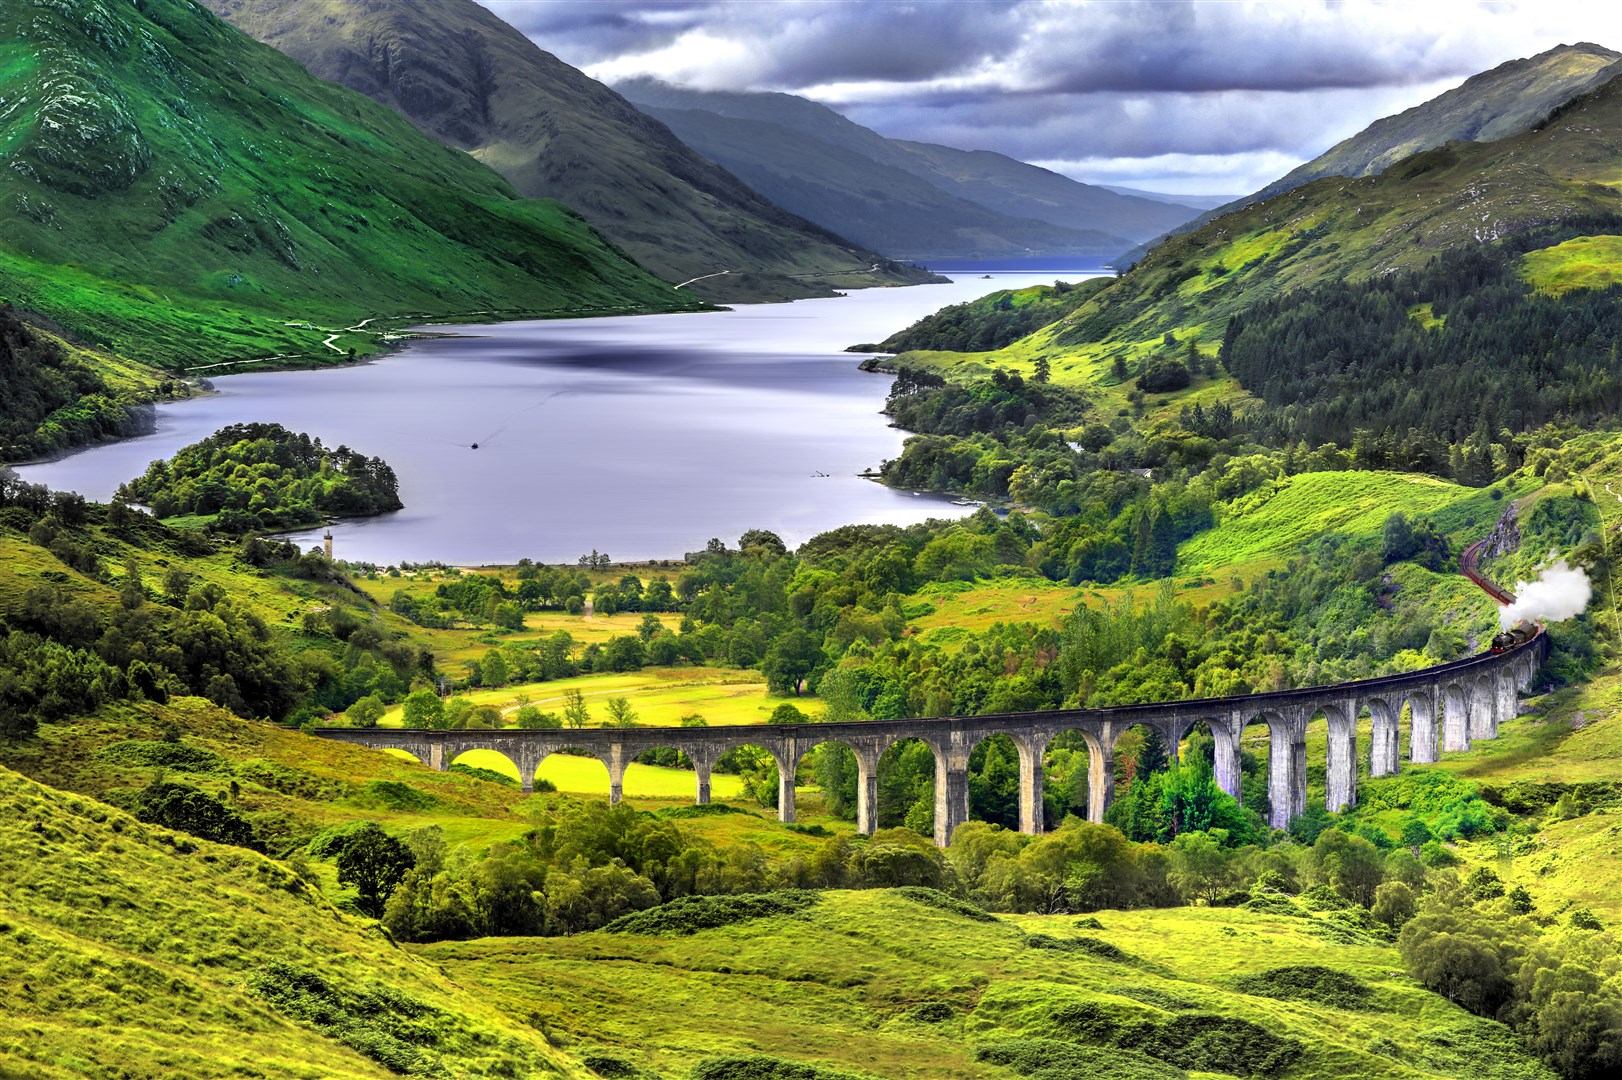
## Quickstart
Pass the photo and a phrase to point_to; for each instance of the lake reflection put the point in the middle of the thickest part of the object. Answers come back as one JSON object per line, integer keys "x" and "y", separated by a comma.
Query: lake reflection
{"x": 641, "y": 437}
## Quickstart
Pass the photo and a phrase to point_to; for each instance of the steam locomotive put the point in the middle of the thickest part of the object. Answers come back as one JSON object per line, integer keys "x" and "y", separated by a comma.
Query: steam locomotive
{"x": 1513, "y": 638}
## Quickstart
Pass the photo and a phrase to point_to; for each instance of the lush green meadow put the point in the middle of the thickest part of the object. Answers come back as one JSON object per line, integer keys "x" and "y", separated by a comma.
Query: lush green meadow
{"x": 876, "y": 984}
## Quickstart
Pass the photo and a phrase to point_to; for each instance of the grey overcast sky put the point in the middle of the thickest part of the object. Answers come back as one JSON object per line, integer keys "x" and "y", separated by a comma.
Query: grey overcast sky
{"x": 1189, "y": 96}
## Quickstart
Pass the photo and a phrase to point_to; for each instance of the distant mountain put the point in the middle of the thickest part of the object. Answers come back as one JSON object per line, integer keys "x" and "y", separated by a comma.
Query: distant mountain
{"x": 1464, "y": 195}
{"x": 912, "y": 199}
{"x": 184, "y": 196}
{"x": 1197, "y": 202}
{"x": 1511, "y": 98}
{"x": 468, "y": 79}
{"x": 160, "y": 162}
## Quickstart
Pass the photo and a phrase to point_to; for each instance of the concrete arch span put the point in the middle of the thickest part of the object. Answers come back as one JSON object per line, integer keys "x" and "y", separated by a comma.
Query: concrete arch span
{"x": 1466, "y": 700}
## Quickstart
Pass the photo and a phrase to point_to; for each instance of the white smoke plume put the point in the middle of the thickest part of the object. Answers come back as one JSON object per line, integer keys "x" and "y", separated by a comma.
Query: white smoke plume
{"x": 1560, "y": 592}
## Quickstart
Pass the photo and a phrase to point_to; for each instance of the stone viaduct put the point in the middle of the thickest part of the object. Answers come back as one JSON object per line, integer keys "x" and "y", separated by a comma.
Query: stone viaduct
{"x": 1449, "y": 706}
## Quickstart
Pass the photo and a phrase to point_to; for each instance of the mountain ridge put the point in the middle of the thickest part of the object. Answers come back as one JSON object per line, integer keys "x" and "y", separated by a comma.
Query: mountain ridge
{"x": 1508, "y": 99}
{"x": 181, "y": 217}
{"x": 716, "y": 123}
{"x": 464, "y": 77}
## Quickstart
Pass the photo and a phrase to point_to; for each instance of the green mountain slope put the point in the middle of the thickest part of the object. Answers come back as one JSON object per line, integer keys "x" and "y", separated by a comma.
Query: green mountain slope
{"x": 877, "y": 983}
{"x": 132, "y": 951}
{"x": 1511, "y": 98}
{"x": 468, "y": 79}
{"x": 878, "y": 204}
{"x": 1453, "y": 198}
{"x": 764, "y": 137}
{"x": 182, "y": 194}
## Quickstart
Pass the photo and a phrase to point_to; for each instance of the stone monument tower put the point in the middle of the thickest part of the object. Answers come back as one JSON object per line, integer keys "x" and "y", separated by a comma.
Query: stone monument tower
{"x": 326, "y": 544}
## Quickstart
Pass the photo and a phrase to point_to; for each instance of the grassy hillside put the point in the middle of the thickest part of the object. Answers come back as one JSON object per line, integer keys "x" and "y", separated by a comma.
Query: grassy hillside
{"x": 468, "y": 79}
{"x": 1513, "y": 97}
{"x": 1452, "y": 197}
{"x": 879, "y": 204}
{"x": 877, "y": 984}
{"x": 186, "y": 197}
{"x": 1009, "y": 188}
{"x": 130, "y": 950}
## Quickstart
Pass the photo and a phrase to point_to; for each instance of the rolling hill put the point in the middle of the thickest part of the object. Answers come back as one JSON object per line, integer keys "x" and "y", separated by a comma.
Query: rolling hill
{"x": 1511, "y": 98}
{"x": 185, "y": 196}
{"x": 1462, "y": 196}
{"x": 468, "y": 79}
{"x": 916, "y": 199}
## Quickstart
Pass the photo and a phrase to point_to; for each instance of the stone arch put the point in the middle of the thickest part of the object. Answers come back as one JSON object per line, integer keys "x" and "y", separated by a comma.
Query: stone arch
{"x": 1385, "y": 736}
{"x": 1286, "y": 762}
{"x": 862, "y": 761}
{"x": 1424, "y": 737}
{"x": 1340, "y": 756}
{"x": 893, "y": 799}
{"x": 652, "y": 762}
{"x": 713, "y": 754}
{"x": 528, "y": 771}
{"x": 985, "y": 744}
{"x": 488, "y": 757}
{"x": 1244, "y": 721}
{"x": 1066, "y": 757}
{"x": 1032, "y": 746}
{"x": 1455, "y": 709}
{"x": 1507, "y": 703}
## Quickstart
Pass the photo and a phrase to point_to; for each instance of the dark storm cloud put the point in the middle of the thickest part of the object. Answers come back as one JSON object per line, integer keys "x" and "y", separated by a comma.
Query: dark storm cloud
{"x": 791, "y": 44}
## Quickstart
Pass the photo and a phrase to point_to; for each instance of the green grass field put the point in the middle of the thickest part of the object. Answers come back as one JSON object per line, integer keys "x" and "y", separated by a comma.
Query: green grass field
{"x": 839, "y": 984}
{"x": 1587, "y": 262}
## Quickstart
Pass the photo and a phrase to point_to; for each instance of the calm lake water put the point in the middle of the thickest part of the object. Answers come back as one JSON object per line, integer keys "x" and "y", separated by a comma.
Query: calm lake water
{"x": 641, "y": 437}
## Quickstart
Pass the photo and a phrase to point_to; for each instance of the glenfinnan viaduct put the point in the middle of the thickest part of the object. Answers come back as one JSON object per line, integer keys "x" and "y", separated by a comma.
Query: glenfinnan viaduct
{"x": 1450, "y": 707}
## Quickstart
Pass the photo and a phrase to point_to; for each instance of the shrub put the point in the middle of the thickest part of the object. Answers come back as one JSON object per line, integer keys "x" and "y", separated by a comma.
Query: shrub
{"x": 1050, "y": 1059}
{"x": 189, "y": 810}
{"x": 701, "y": 810}
{"x": 936, "y": 899}
{"x": 488, "y": 775}
{"x": 1206, "y": 1042}
{"x": 383, "y": 1024}
{"x": 690, "y": 914}
{"x": 393, "y": 795}
{"x": 163, "y": 755}
{"x": 1308, "y": 982}
{"x": 1160, "y": 999}
{"x": 1103, "y": 950}
{"x": 761, "y": 1067}
{"x": 615, "y": 1068}
{"x": 930, "y": 1012}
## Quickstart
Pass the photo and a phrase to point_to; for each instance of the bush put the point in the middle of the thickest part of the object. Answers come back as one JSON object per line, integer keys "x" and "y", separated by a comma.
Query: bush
{"x": 189, "y": 810}
{"x": 713, "y": 809}
{"x": 615, "y": 1068}
{"x": 930, "y": 1012}
{"x": 690, "y": 914}
{"x": 1206, "y": 1042}
{"x": 1308, "y": 982}
{"x": 383, "y": 1024}
{"x": 393, "y": 795}
{"x": 1150, "y": 995}
{"x": 488, "y": 775}
{"x": 761, "y": 1067}
{"x": 1050, "y": 1059}
{"x": 1103, "y": 950}
{"x": 936, "y": 899}
{"x": 163, "y": 755}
